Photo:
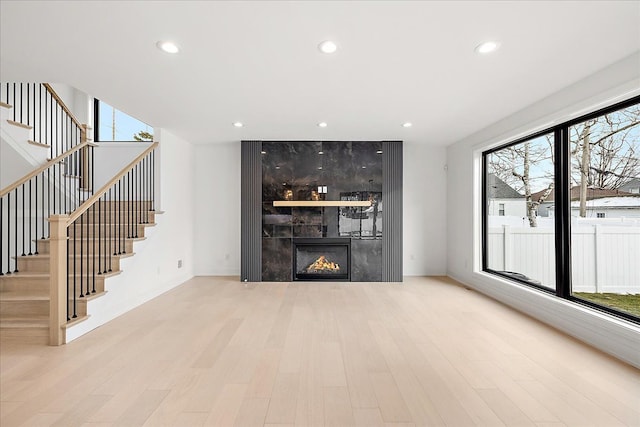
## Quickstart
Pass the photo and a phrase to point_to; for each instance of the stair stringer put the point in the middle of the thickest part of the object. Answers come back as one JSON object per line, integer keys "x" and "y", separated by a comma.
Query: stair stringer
{"x": 125, "y": 291}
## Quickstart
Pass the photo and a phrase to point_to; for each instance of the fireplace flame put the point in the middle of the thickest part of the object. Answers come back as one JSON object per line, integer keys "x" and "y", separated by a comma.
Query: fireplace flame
{"x": 322, "y": 265}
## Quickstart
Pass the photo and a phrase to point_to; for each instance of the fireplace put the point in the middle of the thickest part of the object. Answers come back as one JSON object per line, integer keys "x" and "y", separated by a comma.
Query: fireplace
{"x": 322, "y": 259}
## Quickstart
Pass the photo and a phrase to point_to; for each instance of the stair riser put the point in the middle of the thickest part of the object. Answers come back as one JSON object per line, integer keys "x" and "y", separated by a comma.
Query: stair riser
{"x": 106, "y": 231}
{"x": 40, "y": 286}
{"x": 20, "y": 335}
{"x": 37, "y": 309}
{"x": 10, "y": 283}
{"x": 100, "y": 216}
{"x": 43, "y": 248}
{"x": 24, "y": 309}
{"x": 102, "y": 205}
{"x": 39, "y": 265}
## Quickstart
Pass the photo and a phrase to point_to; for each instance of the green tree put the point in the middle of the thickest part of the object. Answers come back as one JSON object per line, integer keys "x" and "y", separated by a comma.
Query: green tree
{"x": 143, "y": 136}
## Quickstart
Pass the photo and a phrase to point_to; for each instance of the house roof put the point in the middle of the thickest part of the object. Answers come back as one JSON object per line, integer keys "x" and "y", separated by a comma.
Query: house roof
{"x": 611, "y": 202}
{"x": 258, "y": 62}
{"x": 592, "y": 193}
{"x": 630, "y": 185}
{"x": 498, "y": 189}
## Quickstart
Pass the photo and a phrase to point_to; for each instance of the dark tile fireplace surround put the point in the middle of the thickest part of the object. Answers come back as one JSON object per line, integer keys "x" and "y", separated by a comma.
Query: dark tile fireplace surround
{"x": 292, "y": 226}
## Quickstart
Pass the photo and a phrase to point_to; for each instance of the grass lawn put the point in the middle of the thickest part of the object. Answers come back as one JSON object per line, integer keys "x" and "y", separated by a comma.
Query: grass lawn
{"x": 628, "y": 303}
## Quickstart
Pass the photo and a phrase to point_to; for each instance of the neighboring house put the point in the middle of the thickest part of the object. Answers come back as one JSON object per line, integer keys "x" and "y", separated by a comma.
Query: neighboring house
{"x": 610, "y": 207}
{"x": 503, "y": 199}
{"x": 545, "y": 208}
{"x": 632, "y": 186}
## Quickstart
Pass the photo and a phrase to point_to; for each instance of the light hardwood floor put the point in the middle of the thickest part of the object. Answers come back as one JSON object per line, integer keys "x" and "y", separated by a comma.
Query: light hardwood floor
{"x": 215, "y": 351}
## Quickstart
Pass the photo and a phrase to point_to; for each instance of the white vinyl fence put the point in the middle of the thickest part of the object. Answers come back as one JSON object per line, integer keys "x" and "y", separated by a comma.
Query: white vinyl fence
{"x": 603, "y": 258}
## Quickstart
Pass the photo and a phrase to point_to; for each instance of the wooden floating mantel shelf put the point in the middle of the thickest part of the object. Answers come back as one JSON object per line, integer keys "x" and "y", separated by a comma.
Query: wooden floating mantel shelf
{"x": 321, "y": 203}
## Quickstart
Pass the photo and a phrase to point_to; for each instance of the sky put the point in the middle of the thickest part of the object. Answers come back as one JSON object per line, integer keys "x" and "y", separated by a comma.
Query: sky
{"x": 126, "y": 126}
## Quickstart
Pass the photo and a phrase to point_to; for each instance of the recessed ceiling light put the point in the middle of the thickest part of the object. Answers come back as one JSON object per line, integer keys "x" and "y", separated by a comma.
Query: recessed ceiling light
{"x": 322, "y": 124}
{"x": 407, "y": 124}
{"x": 238, "y": 124}
{"x": 263, "y": 152}
{"x": 320, "y": 152}
{"x": 379, "y": 152}
{"x": 364, "y": 167}
{"x": 169, "y": 47}
{"x": 487, "y": 47}
{"x": 319, "y": 167}
{"x": 327, "y": 46}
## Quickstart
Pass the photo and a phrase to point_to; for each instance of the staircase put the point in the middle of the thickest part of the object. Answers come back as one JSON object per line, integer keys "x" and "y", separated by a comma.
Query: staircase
{"x": 56, "y": 256}
{"x": 25, "y": 295}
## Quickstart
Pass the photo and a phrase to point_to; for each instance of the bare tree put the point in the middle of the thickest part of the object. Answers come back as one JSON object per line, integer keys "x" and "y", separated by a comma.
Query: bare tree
{"x": 605, "y": 151}
{"x": 515, "y": 165}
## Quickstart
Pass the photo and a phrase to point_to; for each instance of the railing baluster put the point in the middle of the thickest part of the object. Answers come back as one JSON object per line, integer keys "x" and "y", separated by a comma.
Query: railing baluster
{"x": 21, "y": 103}
{"x": 9, "y": 233}
{"x": 153, "y": 181}
{"x": 15, "y": 238}
{"x": 67, "y": 278}
{"x": 86, "y": 258}
{"x": 93, "y": 252}
{"x": 75, "y": 289}
{"x": 81, "y": 254}
{"x": 15, "y": 106}
{"x": 40, "y": 114}
{"x": 129, "y": 220}
{"x": 100, "y": 235}
{"x": 28, "y": 121}
{"x": 137, "y": 199}
{"x": 110, "y": 205}
{"x": 23, "y": 219}
{"x": 35, "y": 241}
{"x": 30, "y": 252}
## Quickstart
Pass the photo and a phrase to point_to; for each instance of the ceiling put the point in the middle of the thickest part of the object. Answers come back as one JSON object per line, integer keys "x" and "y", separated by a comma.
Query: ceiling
{"x": 258, "y": 62}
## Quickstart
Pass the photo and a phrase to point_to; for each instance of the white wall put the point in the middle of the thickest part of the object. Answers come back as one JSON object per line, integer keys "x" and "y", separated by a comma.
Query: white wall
{"x": 111, "y": 157}
{"x": 217, "y": 209}
{"x": 424, "y": 210}
{"x": 615, "y": 83}
{"x": 80, "y": 103}
{"x": 154, "y": 269}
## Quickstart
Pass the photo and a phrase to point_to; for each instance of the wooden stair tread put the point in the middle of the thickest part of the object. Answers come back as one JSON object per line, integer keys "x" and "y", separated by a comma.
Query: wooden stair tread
{"x": 25, "y": 275}
{"x": 75, "y": 321}
{"x": 5, "y": 105}
{"x": 39, "y": 144}
{"x": 84, "y": 255}
{"x": 21, "y": 125}
{"x": 43, "y": 275}
{"x": 94, "y": 296}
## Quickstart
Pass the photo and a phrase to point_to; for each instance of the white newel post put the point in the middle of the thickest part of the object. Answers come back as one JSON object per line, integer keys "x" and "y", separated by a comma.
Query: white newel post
{"x": 58, "y": 279}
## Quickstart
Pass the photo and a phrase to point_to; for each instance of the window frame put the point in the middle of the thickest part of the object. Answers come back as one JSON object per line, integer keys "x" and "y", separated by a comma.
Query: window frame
{"x": 562, "y": 214}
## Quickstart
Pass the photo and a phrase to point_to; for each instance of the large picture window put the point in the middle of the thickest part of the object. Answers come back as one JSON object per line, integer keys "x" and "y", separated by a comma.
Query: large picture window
{"x": 561, "y": 210}
{"x": 520, "y": 234}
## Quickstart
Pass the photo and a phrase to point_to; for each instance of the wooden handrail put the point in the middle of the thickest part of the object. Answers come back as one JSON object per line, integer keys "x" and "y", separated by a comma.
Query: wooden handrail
{"x": 44, "y": 167}
{"x": 97, "y": 194}
{"x": 62, "y": 104}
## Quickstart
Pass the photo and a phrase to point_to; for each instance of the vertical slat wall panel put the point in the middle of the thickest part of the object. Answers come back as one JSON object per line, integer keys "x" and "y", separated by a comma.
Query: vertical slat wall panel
{"x": 392, "y": 211}
{"x": 251, "y": 212}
